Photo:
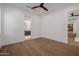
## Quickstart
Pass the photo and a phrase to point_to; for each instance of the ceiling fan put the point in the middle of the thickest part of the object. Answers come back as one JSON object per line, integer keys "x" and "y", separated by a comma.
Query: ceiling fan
{"x": 41, "y": 6}
{"x": 72, "y": 14}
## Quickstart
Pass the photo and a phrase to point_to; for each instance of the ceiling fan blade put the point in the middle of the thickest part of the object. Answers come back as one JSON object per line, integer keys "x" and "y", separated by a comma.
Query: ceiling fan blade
{"x": 35, "y": 7}
{"x": 41, "y": 4}
{"x": 45, "y": 8}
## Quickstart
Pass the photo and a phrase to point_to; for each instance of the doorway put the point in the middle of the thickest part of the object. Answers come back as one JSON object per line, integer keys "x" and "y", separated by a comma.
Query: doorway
{"x": 73, "y": 28}
{"x": 27, "y": 29}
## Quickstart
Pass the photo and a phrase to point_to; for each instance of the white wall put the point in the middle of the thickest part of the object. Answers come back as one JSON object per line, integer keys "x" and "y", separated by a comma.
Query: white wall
{"x": 13, "y": 24}
{"x": 0, "y": 26}
{"x": 35, "y": 27}
{"x": 54, "y": 25}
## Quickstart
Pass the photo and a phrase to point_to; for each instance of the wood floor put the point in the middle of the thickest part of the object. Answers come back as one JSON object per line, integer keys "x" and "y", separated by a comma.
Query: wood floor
{"x": 40, "y": 47}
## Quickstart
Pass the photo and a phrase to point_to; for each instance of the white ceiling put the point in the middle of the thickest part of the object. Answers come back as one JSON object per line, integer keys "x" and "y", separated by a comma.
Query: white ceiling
{"x": 50, "y": 6}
